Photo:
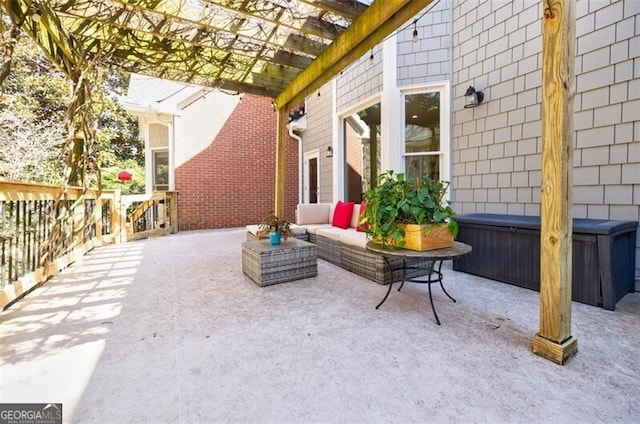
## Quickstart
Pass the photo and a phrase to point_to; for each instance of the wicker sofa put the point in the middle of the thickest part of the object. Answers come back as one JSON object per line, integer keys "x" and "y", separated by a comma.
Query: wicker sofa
{"x": 344, "y": 247}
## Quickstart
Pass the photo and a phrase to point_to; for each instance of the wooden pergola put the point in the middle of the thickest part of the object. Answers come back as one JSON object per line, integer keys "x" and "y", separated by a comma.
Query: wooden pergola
{"x": 286, "y": 49}
{"x": 283, "y": 49}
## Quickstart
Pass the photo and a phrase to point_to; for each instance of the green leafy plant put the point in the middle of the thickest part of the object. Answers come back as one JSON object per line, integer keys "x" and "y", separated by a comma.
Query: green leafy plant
{"x": 272, "y": 224}
{"x": 396, "y": 201}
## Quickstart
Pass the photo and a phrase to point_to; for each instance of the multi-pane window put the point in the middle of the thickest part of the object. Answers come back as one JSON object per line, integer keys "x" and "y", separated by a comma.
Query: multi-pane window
{"x": 423, "y": 150}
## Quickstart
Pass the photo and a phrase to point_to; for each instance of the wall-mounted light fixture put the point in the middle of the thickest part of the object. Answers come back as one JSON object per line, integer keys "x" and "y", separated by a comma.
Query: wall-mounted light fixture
{"x": 473, "y": 97}
{"x": 414, "y": 37}
{"x": 329, "y": 153}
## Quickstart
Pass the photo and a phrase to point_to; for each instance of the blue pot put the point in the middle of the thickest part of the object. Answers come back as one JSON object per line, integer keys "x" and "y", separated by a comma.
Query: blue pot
{"x": 274, "y": 237}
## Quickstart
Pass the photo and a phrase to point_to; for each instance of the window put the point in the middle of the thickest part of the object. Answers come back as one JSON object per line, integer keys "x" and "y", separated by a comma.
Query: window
{"x": 423, "y": 147}
{"x": 161, "y": 170}
{"x": 362, "y": 131}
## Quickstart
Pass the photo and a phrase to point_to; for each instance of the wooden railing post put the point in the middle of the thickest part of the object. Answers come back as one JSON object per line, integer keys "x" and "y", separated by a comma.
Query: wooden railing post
{"x": 119, "y": 218}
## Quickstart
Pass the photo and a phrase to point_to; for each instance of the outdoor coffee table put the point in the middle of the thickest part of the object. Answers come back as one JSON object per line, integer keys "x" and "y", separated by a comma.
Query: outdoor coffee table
{"x": 433, "y": 265}
{"x": 266, "y": 264}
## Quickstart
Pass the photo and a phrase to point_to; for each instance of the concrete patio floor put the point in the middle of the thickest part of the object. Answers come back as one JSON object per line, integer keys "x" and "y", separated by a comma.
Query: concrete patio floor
{"x": 169, "y": 330}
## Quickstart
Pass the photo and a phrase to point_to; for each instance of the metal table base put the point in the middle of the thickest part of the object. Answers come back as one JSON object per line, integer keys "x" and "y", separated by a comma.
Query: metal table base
{"x": 433, "y": 267}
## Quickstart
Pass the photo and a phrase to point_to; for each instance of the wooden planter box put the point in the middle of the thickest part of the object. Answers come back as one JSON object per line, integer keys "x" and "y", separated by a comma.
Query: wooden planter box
{"x": 426, "y": 237}
{"x": 507, "y": 248}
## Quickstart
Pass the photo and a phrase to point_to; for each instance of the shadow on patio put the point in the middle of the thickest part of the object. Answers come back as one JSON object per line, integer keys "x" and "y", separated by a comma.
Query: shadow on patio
{"x": 170, "y": 330}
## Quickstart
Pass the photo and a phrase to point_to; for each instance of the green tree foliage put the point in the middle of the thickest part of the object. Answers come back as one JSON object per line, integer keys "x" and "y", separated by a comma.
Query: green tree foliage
{"x": 33, "y": 105}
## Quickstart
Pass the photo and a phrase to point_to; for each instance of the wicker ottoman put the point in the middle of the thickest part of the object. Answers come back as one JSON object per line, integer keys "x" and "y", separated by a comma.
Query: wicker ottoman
{"x": 266, "y": 264}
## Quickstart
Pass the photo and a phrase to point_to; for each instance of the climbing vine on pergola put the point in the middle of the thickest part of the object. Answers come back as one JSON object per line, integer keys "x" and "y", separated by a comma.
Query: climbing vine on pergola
{"x": 261, "y": 47}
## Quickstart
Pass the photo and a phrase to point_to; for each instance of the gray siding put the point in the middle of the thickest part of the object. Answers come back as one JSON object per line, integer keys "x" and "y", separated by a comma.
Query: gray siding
{"x": 497, "y": 145}
{"x": 360, "y": 81}
{"x": 319, "y": 136}
{"x": 428, "y": 59}
{"x": 496, "y": 46}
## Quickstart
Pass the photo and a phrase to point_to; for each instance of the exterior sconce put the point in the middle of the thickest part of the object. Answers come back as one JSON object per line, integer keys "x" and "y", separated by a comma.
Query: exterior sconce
{"x": 473, "y": 97}
{"x": 329, "y": 153}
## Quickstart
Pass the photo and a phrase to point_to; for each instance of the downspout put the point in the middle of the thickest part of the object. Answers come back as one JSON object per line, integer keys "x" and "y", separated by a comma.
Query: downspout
{"x": 300, "y": 166}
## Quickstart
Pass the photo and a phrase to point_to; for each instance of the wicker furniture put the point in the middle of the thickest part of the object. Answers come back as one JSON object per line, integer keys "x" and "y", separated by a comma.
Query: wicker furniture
{"x": 266, "y": 265}
{"x": 344, "y": 247}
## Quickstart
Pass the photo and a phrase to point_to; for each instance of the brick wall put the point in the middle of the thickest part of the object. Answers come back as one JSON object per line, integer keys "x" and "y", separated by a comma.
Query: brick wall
{"x": 231, "y": 183}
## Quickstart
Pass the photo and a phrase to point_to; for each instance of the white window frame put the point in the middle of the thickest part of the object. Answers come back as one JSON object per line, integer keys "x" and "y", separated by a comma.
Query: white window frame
{"x": 312, "y": 154}
{"x": 338, "y": 151}
{"x": 154, "y": 152}
{"x": 445, "y": 126}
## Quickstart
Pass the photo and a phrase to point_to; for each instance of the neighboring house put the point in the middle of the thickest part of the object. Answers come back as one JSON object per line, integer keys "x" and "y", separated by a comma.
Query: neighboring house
{"x": 217, "y": 150}
{"x": 401, "y": 107}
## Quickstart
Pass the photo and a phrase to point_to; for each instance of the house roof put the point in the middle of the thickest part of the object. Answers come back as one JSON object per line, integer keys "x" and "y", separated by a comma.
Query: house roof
{"x": 148, "y": 89}
{"x": 252, "y": 46}
{"x": 149, "y": 94}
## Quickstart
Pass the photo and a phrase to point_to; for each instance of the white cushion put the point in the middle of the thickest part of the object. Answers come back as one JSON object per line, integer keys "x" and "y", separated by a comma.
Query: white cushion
{"x": 332, "y": 233}
{"x": 355, "y": 215}
{"x": 253, "y": 229}
{"x": 313, "y": 228}
{"x": 354, "y": 238}
{"x": 313, "y": 213}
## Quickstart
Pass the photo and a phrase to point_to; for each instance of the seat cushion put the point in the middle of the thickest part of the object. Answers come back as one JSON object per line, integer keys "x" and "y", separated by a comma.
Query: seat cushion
{"x": 342, "y": 214}
{"x": 313, "y": 213}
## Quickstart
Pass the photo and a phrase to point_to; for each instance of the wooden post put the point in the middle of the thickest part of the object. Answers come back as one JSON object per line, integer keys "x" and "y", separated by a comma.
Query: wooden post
{"x": 280, "y": 161}
{"x": 554, "y": 340}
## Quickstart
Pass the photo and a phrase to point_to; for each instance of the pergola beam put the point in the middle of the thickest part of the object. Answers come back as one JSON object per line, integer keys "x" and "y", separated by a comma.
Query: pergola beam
{"x": 347, "y": 8}
{"x": 371, "y": 27}
{"x": 216, "y": 42}
{"x": 187, "y": 29}
{"x": 374, "y": 24}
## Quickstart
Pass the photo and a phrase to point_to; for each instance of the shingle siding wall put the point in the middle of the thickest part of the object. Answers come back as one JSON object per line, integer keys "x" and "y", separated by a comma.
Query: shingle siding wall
{"x": 429, "y": 58}
{"x": 319, "y": 136}
{"x": 498, "y": 50}
{"x": 360, "y": 81}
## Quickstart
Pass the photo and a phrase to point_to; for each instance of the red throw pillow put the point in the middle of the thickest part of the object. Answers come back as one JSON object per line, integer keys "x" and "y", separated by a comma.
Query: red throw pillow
{"x": 342, "y": 214}
{"x": 362, "y": 228}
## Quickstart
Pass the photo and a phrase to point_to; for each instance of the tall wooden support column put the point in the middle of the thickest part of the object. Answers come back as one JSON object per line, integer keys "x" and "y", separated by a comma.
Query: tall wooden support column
{"x": 280, "y": 161}
{"x": 554, "y": 340}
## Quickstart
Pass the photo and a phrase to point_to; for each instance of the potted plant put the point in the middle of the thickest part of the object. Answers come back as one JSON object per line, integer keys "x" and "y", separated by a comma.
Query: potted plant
{"x": 275, "y": 228}
{"x": 400, "y": 213}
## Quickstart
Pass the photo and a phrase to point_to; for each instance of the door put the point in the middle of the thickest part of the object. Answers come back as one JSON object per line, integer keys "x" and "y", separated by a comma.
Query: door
{"x": 311, "y": 177}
